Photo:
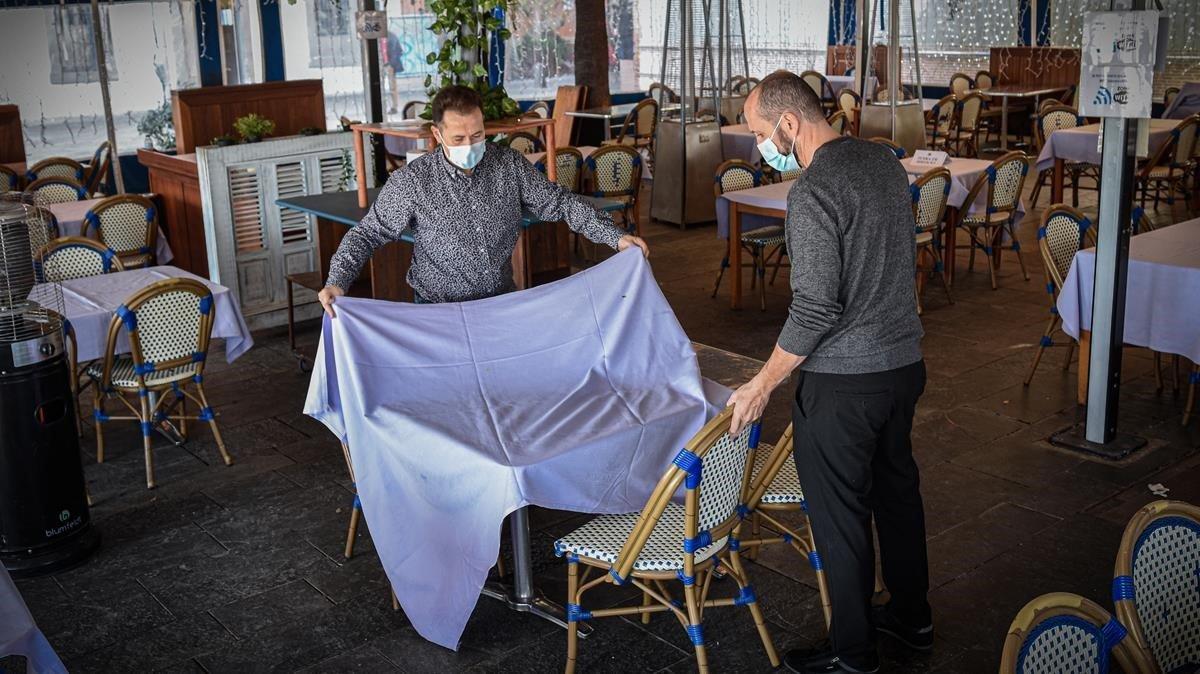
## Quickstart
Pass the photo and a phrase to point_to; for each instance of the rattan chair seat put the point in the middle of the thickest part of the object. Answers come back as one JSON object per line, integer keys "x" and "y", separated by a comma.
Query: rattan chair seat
{"x": 992, "y": 219}
{"x": 785, "y": 488}
{"x": 123, "y": 375}
{"x": 765, "y": 236}
{"x": 602, "y": 538}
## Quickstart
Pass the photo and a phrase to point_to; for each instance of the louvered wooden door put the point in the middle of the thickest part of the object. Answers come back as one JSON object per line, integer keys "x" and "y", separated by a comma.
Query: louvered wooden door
{"x": 270, "y": 241}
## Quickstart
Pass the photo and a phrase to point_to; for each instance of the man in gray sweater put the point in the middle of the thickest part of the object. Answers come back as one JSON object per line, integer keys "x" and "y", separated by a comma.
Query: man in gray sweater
{"x": 853, "y": 331}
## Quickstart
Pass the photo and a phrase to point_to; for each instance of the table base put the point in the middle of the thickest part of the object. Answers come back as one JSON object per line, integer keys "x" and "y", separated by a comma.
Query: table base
{"x": 1120, "y": 447}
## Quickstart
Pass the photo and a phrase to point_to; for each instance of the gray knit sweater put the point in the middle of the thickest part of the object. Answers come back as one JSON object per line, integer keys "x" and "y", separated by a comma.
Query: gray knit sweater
{"x": 850, "y": 236}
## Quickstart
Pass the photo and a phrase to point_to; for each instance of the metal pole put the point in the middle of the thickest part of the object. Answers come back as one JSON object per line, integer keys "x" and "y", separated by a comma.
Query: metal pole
{"x": 894, "y": 60}
{"x": 862, "y": 47}
{"x": 102, "y": 64}
{"x": 912, "y": 11}
{"x": 374, "y": 90}
{"x": 742, "y": 37}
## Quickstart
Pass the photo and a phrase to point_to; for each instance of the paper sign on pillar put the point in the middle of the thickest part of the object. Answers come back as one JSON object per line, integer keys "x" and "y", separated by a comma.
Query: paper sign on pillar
{"x": 1119, "y": 54}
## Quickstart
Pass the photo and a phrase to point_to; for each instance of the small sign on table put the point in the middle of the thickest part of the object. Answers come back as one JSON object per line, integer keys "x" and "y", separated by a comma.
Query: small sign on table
{"x": 929, "y": 158}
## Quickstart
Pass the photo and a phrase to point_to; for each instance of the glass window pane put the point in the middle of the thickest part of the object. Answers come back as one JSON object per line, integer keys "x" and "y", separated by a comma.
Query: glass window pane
{"x": 540, "y": 56}
{"x": 50, "y": 70}
{"x": 954, "y": 36}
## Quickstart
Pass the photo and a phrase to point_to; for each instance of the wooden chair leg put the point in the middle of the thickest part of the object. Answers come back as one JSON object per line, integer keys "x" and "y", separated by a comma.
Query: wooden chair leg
{"x": 572, "y": 598}
{"x": 1041, "y": 348}
{"x": 646, "y": 601}
{"x": 693, "y": 611}
{"x": 721, "y": 274}
{"x": 97, "y": 416}
{"x": 739, "y": 573}
{"x": 147, "y": 429}
{"x": 1070, "y": 352}
{"x": 182, "y": 400}
{"x": 1193, "y": 380}
{"x": 206, "y": 412}
{"x": 352, "y": 530}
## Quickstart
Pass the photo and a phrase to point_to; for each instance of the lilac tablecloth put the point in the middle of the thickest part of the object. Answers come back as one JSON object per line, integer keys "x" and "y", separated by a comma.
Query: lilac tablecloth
{"x": 737, "y": 142}
{"x": 1162, "y": 300}
{"x": 70, "y": 223}
{"x": 458, "y": 414}
{"x": 91, "y": 302}
{"x": 1186, "y": 103}
{"x": 20, "y": 636}
{"x": 1082, "y": 143}
{"x": 839, "y": 82}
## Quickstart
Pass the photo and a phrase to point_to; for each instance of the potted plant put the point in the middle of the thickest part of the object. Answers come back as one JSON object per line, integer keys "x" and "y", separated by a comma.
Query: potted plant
{"x": 465, "y": 27}
{"x": 225, "y": 140}
{"x": 253, "y": 127}
{"x": 158, "y": 128}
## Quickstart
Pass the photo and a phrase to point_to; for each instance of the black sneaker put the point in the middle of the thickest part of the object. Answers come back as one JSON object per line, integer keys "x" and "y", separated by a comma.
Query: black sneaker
{"x": 916, "y": 638}
{"x": 813, "y": 660}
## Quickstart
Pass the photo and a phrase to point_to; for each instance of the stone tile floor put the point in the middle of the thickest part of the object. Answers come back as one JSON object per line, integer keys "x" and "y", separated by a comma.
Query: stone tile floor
{"x": 240, "y": 569}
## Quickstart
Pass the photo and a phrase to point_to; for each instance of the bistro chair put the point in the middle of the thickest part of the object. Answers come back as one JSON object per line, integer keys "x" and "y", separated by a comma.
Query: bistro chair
{"x": 1063, "y": 233}
{"x": 734, "y": 84}
{"x": 1155, "y": 584}
{"x": 615, "y": 172}
{"x": 661, "y": 93}
{"x": 97, "y": 169}
{"x": 128, "y": 224}
{"x": 960, "y": 84}
{"x": 670, "y": 541}
{"x": 775, "y": 489}
{"x": 10, "y": 180}
{"x": 1056, "y": 118}
{"x": 1171, "y": 166}
{"x": 839, "y": 123}
{"x": 850, "y": 103}
{"x": 74, "y": 257}
{"x": 989, "y": 118}
{"x": 821, "y": 87}
{"x": 1003, "y": 181}
{"x": 1169, "y": 95}
{"x": 929, "y": 194}
{"x": 412, "y": 109}
{"x": 1063, "y": 632}
{"x": 896, "y": 149}
{"x": 568, "y": 162}
{"x": 524, "y": 142}
{"x": 965, "y": 133}
{"x": 169, "y": 324}
{"x": 638, "y": 128}
{"x": 942, "y": 124}
{"x": 1141, "y": 221}
{"x": 55, "y": 190}
{"x": 56, "y": 167}
{"x": 984, "y": 80}
{"x": 731, "y": 176}
{"x": 539, "y": 109}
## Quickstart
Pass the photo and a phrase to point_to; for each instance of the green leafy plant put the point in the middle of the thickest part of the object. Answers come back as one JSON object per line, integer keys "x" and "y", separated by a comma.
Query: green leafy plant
{"x": 253, "y": 127}
{"x": 465, "y": 27}
{"x": 347, "y": 172}
{"x": 225, "y": 140}
{"x": 158, "y": 128}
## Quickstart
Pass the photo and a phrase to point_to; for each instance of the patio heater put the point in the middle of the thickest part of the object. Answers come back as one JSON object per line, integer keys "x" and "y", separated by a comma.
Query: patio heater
{"x": 899, "y": 120}
{"x": 44, "y": 519}
{"x": 703, "y": 48}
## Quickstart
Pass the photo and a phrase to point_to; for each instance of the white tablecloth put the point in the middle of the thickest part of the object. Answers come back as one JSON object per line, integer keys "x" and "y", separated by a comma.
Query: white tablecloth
{"x": 18, "y": 633}
{"x": 1162, "y": 295}
{"x": 1082, "y": 143}
{"x": 91, "y": 302}
{"x": 738, "y": 142}
{"x": 963, "y": 174}
{"x": 458, "y": 414}
{"x": 70, "y": 223}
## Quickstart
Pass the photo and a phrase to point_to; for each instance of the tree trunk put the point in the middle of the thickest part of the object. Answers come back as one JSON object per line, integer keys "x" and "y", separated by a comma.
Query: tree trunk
{"x": 591, "y": 50}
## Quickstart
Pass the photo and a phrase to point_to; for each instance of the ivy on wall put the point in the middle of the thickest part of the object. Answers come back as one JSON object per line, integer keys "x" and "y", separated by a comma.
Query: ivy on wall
{"x": 465, "y": 27}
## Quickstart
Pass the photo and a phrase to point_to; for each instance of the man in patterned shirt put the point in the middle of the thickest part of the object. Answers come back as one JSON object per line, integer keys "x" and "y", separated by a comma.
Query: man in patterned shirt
{"x": 464, "y": 204}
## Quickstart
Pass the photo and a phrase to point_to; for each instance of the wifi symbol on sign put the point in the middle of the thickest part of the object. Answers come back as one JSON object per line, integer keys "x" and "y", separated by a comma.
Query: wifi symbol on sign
{"x": 1103, "y": 97}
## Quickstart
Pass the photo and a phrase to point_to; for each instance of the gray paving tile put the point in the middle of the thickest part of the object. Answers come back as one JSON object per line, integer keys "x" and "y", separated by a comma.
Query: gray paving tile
{"x": 285, "y": 603}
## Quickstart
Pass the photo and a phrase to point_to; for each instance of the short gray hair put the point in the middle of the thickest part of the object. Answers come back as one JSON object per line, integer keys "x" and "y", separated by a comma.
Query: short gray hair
{"x": 784, "y": 91}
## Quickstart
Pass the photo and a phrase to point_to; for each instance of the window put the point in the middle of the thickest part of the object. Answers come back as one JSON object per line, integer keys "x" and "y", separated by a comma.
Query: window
{"x": 540, "y": 55}
{"x": 331, "y": 36}
{"x": 73, "y": 46}
{"x": 954, "y": 36}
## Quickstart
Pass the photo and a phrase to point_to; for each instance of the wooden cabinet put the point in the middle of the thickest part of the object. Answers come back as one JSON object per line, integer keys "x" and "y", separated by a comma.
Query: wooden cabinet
{"x": 174, "y": 179}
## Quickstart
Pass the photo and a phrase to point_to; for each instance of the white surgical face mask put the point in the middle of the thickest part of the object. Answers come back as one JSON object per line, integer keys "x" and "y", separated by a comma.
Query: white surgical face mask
{"x": 771, "y": 155}
{"x": 465, "y": 157}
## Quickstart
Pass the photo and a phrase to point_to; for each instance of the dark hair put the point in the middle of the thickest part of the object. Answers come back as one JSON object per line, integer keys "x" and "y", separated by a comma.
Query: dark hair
{"x": 783, "y": 91}
{"x": 460, "y": 99}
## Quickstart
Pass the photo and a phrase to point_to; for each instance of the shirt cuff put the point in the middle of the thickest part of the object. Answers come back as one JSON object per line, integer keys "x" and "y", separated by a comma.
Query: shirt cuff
{"x": 798, "y": 341}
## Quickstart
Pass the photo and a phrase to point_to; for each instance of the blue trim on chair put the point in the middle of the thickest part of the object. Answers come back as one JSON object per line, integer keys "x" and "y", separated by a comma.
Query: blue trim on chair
{"x": 1122, "y": 588}
{"x": 746, "y": 596}
{"x": 617, "y": 577}
{"x": 107, "y": 257}
{"x": 92, "y": 220}
{"x": 814, "y": 560}
{"x": 991, "y": 173}
{"x": 206, "y": 304}
{"x": 684, "y": 578}
{"x": 575, "y": 613}
{"x": 199, "y": 356}
{"x": 144, "y": 368}
{"x": 702, "y": 540}
{"x": 690, "y": 464}
{"x": 147, "y": 428}
{"x": 755, "y": 433}
{"x": 150, "y": 214}
{"x": 1046, "y": 341}
{"x": 696, "y": 634}
{"x": 1112, "y": 633}
{"x": 206, "y": 414}
{"x": 127, "y": 317}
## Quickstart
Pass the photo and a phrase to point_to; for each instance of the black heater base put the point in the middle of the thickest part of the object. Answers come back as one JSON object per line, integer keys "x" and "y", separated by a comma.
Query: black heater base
{"x": 1075, "y": 438}
{"x": 54, "y": 558}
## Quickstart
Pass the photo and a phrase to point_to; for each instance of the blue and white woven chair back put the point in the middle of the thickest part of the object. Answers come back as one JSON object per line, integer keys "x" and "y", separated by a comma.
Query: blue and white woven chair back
{"x": 523, "y": 143}
{"x": 723, "y": 477}
{"x": 1166, "y": 590}
{"x": 1063, "y": 235}
{"x": 1057, "y": 119}
{"x": 55, "y": 190}
{"x": 944, "y": 115}
{"x": 969, "y": 109}
{"x": 569, "y": 165}
{"x": 57, "y": 167}
{"x": 930, "y": 202}
{"x": 785, "y": 176}
{"x": 1063, "y": 643}
{"x": 169, "y": 325}
{"x": 123, "y": 225}
{"x": 738, "y": 177}
{"x": 74, "y": 258}
{"x": 614, "y": 170}
{"x": 1006, "y": 191}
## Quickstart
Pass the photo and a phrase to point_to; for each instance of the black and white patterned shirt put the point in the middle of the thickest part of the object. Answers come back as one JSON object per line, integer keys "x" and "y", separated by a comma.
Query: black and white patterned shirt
{"x": 465, "y": 226}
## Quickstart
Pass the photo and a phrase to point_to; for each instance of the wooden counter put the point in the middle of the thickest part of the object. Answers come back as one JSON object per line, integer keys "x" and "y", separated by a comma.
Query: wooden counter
{"x": 174, "y": 179}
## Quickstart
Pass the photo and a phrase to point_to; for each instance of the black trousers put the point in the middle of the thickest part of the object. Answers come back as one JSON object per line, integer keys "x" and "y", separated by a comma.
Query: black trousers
{"x": 854, "y": 456}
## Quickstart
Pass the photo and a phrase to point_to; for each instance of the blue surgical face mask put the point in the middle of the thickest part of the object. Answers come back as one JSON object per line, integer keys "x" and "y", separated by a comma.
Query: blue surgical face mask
{"x": 465, "y": 157}
{"x": 771, "y": 155}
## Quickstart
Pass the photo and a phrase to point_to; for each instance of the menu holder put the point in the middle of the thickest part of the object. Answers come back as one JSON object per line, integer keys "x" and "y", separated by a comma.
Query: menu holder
{"x": 930, "y": 158}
